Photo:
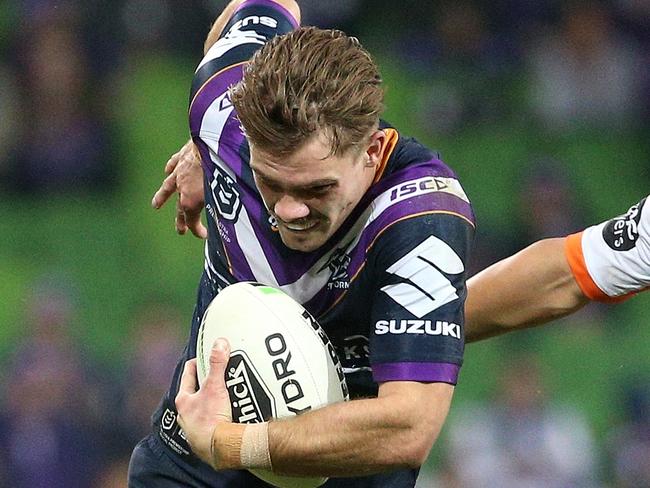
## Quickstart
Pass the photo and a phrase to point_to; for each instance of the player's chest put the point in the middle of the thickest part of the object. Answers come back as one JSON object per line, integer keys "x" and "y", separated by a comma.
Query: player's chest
{"x": 348, "y": 323}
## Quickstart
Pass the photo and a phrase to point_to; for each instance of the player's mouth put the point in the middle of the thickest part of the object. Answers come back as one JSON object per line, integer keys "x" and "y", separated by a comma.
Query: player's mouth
{"x": 299, "y": 226}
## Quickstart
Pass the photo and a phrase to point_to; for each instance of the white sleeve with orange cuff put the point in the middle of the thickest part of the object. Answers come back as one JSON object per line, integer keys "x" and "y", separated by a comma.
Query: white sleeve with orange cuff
{"x": 611, "y": 261}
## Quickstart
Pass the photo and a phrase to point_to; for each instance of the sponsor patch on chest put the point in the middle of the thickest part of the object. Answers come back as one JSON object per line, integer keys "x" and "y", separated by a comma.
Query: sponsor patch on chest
{"x": 416, "y": 326}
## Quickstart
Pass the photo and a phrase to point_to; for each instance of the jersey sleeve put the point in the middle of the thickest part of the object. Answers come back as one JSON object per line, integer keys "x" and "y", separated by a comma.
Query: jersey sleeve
{"x": 417, "y": 320}
{"x": 251, "y": 26}
{"x": 214, "y": 126}
{"x": 611, "y": 261}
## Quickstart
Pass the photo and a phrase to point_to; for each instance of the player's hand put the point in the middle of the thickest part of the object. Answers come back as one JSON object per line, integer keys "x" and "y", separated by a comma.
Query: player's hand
{"x": 200, "y": 412}
{"x": 185, "y": 177}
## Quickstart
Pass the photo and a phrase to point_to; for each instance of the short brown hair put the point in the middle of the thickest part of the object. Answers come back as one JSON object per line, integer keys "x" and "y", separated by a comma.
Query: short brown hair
{"x": 305, "y": 81}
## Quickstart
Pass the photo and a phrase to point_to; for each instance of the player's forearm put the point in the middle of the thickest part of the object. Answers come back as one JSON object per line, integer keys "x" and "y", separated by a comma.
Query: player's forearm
{"x": 345, "y": 439}
{"x": 360, "y": 437}
{"x": 356, "y": 438}
{"x": 530, "y": 288}
{"x": 227, "y": 13}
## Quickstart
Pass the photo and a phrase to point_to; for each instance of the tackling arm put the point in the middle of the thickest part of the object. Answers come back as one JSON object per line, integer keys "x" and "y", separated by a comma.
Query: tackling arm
{"x": 532, "y": 287}
{"x": 608, "y": 262}
{"x": 224, "y": 17}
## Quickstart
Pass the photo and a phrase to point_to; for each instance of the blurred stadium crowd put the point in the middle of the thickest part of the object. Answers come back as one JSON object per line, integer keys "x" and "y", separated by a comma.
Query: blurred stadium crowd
{"x": 542, "y": 107}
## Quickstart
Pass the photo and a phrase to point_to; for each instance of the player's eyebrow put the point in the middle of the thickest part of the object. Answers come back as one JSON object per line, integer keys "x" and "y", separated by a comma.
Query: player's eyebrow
{"x": 321, "y": 182}
{"x": 311, "y": 184}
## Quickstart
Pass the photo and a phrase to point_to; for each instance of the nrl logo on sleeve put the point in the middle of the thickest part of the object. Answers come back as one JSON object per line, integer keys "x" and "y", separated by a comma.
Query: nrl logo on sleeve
{"x": 226, "y": 196}
{"x": 621, "y": 233}
{"x": 249, "y": 399}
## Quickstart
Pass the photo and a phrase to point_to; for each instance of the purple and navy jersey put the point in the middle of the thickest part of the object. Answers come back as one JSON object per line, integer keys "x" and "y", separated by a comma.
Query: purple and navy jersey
{"x": 388, "y": 287}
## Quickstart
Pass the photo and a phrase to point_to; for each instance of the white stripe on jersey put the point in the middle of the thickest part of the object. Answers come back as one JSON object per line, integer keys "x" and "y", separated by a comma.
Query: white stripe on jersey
{"x": 253, "y": 250}
{"x": 211, "y": 271}
{"x": 233, "y": 39}
{"x": 213, "y": 122}
{"x": 619, "y": 272}
{"x": 246, "y": 237}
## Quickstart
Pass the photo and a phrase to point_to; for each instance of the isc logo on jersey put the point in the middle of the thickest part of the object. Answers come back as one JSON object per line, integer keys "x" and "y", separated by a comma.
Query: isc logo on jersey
{"x": 429, "y": 184}
{"x": 414, "y": 326}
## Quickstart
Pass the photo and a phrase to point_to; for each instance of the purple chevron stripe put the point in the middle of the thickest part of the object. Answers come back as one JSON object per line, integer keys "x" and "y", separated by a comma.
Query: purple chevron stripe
{"x": 425, "y": 372}
{"x": 212, "y": 90}
{"x": 276, "y": 253}
{"x": 432, "y": 202}
{"x": 240, "y": 267}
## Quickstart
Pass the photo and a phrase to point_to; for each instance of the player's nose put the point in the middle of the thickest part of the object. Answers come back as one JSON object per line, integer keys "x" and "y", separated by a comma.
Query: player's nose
{"x": 289, "y": 208}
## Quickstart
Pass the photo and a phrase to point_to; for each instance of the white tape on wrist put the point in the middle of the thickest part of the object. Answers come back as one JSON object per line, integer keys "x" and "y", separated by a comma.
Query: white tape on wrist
{"x": 255, "y": 447}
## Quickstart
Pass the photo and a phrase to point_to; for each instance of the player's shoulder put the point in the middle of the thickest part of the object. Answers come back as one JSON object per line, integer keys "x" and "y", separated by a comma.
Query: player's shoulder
{"x": 413, "y": 181}
{"x": 253, "y": 24}
{"x": 405, "y": 151}
{"x": 438, "y": 238}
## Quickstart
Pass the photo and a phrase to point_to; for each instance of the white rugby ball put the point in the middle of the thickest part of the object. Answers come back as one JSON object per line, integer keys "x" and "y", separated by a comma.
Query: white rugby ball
{"x": 281, "y": 361}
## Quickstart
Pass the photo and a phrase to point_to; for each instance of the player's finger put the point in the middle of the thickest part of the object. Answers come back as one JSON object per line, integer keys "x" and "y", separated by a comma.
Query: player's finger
{"x": 181, "y": 218}
{"x": 219, "y": 355}
{"x": 193, "y": 222}
{"x": 185, "y": 152}
{"x": 188, "y": 378}
{"x": 172, "y": 163}
{"x": 180, "y": 223}
{"x": 166, "y": 190}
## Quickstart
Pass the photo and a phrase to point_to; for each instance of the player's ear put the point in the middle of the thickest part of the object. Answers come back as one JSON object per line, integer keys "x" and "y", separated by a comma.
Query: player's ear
{"x": 376, "y": 148}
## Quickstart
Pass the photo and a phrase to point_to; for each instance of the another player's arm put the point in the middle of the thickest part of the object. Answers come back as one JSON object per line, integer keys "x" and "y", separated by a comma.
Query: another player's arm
{"x": 532, "y": 287}
{"x": 225, "y": 16}
{"x": 552, "y": 278}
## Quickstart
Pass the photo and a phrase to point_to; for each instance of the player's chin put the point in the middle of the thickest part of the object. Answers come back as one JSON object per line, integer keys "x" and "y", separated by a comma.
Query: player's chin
{"x": 304, "y": 241}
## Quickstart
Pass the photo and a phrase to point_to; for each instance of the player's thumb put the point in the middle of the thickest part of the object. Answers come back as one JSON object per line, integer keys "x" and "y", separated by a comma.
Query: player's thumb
{"x": 219, "y": 356}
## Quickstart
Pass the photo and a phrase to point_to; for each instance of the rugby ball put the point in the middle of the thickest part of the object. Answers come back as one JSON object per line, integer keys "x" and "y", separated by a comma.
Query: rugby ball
{"x": 281, "y": 361}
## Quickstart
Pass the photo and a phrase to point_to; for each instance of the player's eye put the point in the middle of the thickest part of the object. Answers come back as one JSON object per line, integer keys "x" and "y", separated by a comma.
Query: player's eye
{"x": 321, "y": 189}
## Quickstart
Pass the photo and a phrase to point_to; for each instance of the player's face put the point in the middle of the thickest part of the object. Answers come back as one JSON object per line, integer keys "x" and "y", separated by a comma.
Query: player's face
{"x": 310, "y": 192}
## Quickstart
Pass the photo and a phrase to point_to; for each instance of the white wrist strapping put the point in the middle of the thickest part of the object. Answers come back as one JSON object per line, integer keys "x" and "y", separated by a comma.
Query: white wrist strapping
{"x": 255, "y": 447}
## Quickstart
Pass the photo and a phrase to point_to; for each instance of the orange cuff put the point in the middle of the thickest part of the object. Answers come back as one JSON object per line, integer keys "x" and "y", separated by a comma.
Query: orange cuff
{"x": 576, "y": 259}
